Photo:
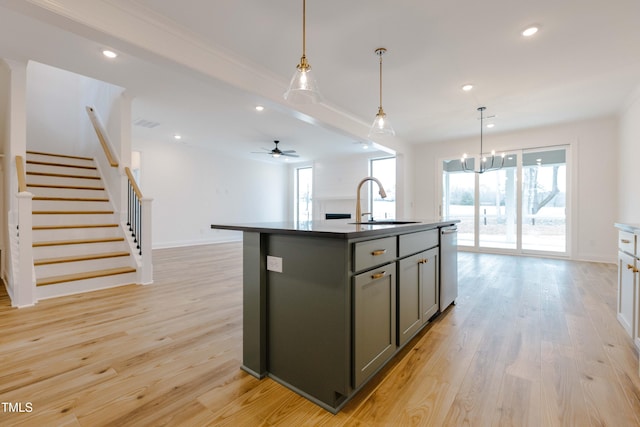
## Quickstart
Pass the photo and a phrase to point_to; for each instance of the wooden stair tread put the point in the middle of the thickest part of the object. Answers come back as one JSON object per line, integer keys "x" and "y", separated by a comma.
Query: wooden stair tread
{"x": 82, "y": 276}
{"x": 71, "y": 199}
{"x": 71, "y": 187}
{"x": 69, "y": 226}
{"x": 62, "y": 175}
{"x": 71, "y": 212}
{"x": 64, "y": 165}
{"x": 66, "y": 156}
{"x": 87, "y": 257}
{"x": 77, "y": 241}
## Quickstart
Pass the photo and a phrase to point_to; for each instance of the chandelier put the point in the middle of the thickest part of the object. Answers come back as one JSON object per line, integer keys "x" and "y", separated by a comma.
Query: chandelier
{"x": 486, "y": 163}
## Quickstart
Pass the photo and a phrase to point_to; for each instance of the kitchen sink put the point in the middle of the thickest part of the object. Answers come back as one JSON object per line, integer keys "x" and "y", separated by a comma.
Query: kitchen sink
{"x": 385, "y": 222}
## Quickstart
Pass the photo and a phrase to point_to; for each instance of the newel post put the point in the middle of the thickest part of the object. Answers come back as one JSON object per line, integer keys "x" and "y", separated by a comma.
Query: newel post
{"x": 25, "y": 289}
{"x": 147, "y": 257}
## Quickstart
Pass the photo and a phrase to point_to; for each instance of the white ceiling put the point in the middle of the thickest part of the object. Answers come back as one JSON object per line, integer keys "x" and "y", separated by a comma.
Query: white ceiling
{"x": 199, "y": 67}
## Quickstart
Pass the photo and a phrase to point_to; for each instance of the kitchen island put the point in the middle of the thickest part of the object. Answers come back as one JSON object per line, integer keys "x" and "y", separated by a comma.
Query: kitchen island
{"x": 326, "y": 304}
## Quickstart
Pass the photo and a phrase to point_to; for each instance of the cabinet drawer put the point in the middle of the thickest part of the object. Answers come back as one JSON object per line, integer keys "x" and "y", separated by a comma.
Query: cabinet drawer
{"x": 374, "y": 252}
{"x": 627, "y": 242}
{"x": 416, "y": 242}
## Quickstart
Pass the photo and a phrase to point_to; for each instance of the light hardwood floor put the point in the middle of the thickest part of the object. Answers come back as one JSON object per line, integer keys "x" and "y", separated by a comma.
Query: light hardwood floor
{"x": 531, "y": 342}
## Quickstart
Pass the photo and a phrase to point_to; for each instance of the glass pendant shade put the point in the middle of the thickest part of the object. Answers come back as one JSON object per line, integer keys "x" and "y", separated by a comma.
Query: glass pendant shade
{"x": 381, "y": 125}
{"x": 303, "y": 88}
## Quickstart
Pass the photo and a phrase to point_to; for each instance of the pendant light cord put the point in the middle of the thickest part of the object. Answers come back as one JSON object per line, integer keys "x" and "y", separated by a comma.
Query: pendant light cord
{"x": 481, "y": 120}
{"x": 304, "y": 28}
{"x": 380, "y": 54}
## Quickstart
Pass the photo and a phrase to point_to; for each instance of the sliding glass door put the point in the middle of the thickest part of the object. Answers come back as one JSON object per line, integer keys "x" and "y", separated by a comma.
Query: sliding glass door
{"x": 498, "y": 207}
{"x": 544, "y": 201}
{"x": 459, "y": 195}
{"x": 520, "y": 208}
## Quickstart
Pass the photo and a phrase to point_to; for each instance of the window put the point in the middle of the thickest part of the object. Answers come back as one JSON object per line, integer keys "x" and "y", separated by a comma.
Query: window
{"x": 303, "y": 199}
{"x": 385, "y": 170}
{"x": 497, "y": 212}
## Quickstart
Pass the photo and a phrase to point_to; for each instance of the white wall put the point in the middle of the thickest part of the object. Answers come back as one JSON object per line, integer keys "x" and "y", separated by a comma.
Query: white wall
{"x": 594, "y": 148}
{"x": 57, "y": 119}
{"x": 193, "y": 188}
{"x": 335, "y": 182}
{"x": 628, "y": 170}
{"x": 53, "y": 117}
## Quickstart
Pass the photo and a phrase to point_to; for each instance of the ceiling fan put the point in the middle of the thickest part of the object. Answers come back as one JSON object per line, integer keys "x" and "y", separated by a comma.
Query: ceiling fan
{"x": 276, "y": 152}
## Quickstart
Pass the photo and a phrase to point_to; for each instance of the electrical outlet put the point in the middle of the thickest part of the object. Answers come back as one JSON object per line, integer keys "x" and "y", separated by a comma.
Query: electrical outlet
{"x": 274, "y": 263}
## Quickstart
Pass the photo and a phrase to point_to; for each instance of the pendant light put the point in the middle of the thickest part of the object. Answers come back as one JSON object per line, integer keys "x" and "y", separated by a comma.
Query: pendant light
{"x": 486, "y": 164}
{"x": 303, "y": 88}
{"x": 381, "y": 125}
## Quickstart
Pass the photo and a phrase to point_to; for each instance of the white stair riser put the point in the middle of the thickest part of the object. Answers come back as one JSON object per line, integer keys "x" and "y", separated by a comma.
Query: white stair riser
{"x": 80, "y": 286}
{"x": 74, "y": 219}
{"x": 51, "y": 270}
{"x": 75, "y": 233}
{"x": 66, "y": 192}
{"x": 40, "y": 252}
{"x": 61, "y": 160}
{"x": 64, "y": 181}
{"x": 80, "y": 177}
{"x": 66, "y": 170}
{"x": 66, "y": 205}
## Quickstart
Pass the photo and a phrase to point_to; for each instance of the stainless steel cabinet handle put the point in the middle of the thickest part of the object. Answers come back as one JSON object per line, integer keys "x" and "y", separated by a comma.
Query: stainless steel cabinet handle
{"x": 379, "y": 252}
{"x": 379, "y": 275}
{"x": 625, "y": 241}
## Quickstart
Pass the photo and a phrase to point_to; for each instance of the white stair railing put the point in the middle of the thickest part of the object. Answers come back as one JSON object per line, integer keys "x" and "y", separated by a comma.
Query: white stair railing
{"x": 139, "y": 223}
{"x": 138, "y": 207}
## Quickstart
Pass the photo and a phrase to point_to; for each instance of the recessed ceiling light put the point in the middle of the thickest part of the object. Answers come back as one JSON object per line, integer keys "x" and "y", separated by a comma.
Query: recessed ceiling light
{"x": 530, "y": 31}
{"x": 259, "y": 108}
{"x": 467, "y": 87}
{"x": 109, "y": 54}
{"x": 177, "y": 137}
{"x": 490, "y": 125}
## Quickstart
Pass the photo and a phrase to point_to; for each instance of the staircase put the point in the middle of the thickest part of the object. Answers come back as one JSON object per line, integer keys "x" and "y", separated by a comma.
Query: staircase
{"x": 78, "y": 244}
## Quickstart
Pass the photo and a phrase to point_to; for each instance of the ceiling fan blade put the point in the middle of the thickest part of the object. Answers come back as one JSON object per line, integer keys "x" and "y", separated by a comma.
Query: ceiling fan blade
{"x": 288, "y": 151}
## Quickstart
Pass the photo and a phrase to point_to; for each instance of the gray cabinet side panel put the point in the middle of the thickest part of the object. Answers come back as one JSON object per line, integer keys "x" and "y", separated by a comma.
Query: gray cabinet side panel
{"x": 309, "y": 316}
{"x": 254, "y": 324}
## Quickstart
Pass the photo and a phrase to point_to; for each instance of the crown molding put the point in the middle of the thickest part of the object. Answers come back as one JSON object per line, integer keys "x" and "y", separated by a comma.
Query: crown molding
{"x": 139, "y": 31}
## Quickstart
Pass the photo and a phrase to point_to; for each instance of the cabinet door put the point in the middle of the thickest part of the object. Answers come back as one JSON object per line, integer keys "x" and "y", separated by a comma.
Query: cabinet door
{"x": 429, "y": 276}
{"x": 418, "y": 292}
{"x": 374, "y": 299}
{"x": 626, "y": 292}
{"x": 409, "y": 297}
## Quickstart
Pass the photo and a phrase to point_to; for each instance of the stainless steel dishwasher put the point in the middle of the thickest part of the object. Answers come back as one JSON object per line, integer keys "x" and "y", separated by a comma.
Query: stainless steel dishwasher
{"x": 448, "y": 266}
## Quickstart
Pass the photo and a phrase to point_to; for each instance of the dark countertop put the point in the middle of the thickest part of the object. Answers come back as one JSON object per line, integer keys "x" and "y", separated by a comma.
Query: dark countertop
{"x": 340, "y": 229}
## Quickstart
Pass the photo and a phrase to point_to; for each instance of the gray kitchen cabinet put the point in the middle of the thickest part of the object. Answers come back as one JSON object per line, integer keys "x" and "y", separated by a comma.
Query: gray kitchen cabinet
{"x": 320, "y": 301}
{"x": 429, "y": 276}
{"x": 374, "y": 298}
{"x": 417, "y": 292}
